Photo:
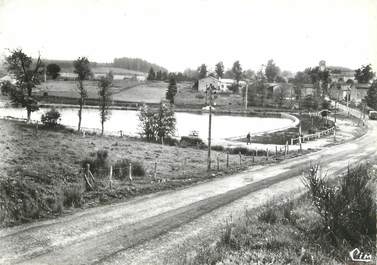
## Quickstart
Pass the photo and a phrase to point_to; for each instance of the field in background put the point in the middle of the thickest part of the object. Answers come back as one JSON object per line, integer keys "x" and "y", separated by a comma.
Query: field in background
{"x": 125, "y": 90}
{"x": 150, "y": 92}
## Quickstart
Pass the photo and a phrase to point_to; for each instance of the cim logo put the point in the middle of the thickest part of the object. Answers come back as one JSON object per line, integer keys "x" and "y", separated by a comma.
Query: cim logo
{"x": 358, "y": 256}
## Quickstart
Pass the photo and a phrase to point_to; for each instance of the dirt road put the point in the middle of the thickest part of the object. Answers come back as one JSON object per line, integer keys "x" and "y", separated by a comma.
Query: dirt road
{"x": 144, "y": 230}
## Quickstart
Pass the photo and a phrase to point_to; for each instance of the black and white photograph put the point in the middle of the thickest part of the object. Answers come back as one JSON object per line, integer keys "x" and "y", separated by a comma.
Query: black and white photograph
{"x": 188, "y": 132}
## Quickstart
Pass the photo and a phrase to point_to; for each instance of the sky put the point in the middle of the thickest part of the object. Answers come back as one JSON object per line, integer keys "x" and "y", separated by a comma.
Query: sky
{"x": 179, "y": 34}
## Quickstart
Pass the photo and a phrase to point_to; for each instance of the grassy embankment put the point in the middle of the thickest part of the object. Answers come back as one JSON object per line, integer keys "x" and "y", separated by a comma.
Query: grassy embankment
{"x": 319, "y": 227}
{"x": 41, "y": 171}
{"x": 124, "y": 91}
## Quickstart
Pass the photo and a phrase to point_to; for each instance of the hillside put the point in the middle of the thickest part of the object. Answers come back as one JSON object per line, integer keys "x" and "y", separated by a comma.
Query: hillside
{"x": 119, "y": 66}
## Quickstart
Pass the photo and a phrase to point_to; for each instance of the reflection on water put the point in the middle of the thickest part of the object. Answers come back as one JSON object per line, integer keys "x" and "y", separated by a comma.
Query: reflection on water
{"x": 223, "y": 126}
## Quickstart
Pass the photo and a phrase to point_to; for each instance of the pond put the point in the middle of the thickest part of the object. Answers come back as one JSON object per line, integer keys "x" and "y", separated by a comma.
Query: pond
{"x": 223, "y": 126}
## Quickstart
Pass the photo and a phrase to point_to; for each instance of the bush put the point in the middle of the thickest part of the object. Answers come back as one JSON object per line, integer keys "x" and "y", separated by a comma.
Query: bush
{"x": 51, "y": 118}
{"x": 219, "y": 148}
{"x": 171, "y": 141}
{"x": 268, "y": 215}
{"x": 348, "y": 210}
{"x": 191, "y": 141}
{"x": 72, "y": 196}
{"x": 121, "y": 169}
{"x": 97, "y": 165}
{"x": 23, "y": 199}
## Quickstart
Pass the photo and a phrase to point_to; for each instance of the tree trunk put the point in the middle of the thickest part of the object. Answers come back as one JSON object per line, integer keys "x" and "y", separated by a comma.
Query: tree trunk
{"x": 80, "y": 111}
{"x": 102, "y": 127}
{"x": 28, "y": 114}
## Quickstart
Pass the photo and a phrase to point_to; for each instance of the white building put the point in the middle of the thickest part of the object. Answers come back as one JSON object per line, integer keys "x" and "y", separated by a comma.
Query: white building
{"x": 221, "y": 84}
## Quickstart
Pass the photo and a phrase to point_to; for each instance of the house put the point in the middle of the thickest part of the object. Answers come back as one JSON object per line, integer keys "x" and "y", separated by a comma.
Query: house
{"x": 141, "y": 78}
{"x": 205, "y": 82}
{"x": 356, "y": 91}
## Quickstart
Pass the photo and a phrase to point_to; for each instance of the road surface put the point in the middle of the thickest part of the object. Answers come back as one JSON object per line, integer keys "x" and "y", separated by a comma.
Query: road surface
{"x": 146, "y": 229}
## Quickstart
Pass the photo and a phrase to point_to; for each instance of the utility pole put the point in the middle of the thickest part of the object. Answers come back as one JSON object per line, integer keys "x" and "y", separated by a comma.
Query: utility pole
{"x": 209, "y": 90}
{"x": 246, "y": 89}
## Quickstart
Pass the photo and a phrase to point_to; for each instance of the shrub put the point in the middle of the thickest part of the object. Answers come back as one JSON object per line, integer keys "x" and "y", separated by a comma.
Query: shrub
{"x": 171, "y": 141}
{"x": 348, "y": 210}
{"x": 219, "y": 148}
{"x": 191, "y": 141}
{"x": 121, "y": 169}
{"x": 23, "y": 199}
{"x": 97, "y": 165}
{"x": 51, "y": 118}
{"x": 268, "y": 215}
{"x": 72, "y": 196}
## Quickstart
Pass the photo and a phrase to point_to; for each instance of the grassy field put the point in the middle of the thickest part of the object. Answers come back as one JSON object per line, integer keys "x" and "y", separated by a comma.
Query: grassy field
{"x": 45, "y": 165}
{"x": 150, "y": 92}
{"x": 69, "y": 88}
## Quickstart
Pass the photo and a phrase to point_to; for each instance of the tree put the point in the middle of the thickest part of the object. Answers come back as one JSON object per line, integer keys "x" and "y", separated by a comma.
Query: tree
{"x": 53, "y": 70}
{"x": 271, "y": 71}
{"x": 28, "y": 75}
{"x": 219, "y": 69}
{"x": 320, "y": 79}
{"x": 6, "y": 88}
{"x": 151, "y": 74}
{"x": 249, "y": 74}
{"x": 159, "y": 75}
{"x": 364, "y": 74}
{"x": 237, "y": 72}
{"x": 104, "y": 94}
{"x": 280, "y": 79}
{"x": 299, "y": 80}
{"x": 257, "y": 91}
{"x": 371, "y": 98}
{"x": 172, "y": 90}
{"x": 202, "y": 70}
{"x": 280, "y": 96}
{"x": 165, "y": 121}
{"x": 82, "y": 69}
{"x": 157, "y": 125}
{"x": 147, "y": 123}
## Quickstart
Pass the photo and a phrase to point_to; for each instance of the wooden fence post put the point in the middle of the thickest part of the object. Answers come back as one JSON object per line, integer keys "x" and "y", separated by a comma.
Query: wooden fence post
{"x": 240, "y": 155}
{"x": 155, "y": 170}
{"x": 276, "y": 152}
{"x": 130, "y": 171}
{"x": 121, "y": 133}
{"x": 111, "y": 177}
{"x": 227, "y": 159}
{"x": 218, "y": 162}
{"x": 253, "y": 157}
{"x": 267, "y": 154}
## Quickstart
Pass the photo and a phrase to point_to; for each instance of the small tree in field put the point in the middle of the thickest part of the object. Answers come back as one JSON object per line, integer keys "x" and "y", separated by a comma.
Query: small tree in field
{"x": 147, "y": 123}
{"x": 53, "y": 70}
{"x": 157, "y": 124}
{"x": 27, "y": 76}
{"x": 172, "y": 90}
{"x": 82, "y": 69}
{"x": 104, "y": 94}
{"x": 165, "y": 121}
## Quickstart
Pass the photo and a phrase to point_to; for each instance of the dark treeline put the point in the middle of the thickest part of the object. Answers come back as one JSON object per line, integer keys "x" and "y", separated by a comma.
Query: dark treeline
{"x": 136, "y": 64}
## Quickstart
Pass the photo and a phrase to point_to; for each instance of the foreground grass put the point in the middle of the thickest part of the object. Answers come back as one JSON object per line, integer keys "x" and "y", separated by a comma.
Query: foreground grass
{"x": 41, "y": 171}
{"x": 286, "y": 231}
